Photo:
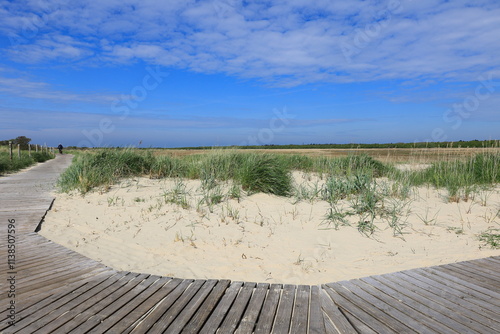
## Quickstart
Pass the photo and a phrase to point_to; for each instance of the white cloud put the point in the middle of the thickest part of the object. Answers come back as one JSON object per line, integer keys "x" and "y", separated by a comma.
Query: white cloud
{"x": 284, "y": 42}
{"x": 26, "y": 88}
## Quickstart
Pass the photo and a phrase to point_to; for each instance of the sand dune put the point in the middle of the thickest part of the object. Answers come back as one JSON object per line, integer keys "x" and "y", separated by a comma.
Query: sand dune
{"x": 264, "y": 238}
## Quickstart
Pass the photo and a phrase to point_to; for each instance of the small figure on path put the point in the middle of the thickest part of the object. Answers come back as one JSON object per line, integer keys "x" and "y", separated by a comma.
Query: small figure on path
{"x": 60, "y": 148}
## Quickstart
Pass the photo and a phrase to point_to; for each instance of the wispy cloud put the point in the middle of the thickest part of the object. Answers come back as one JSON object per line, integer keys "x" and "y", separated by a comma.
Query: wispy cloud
{"x": 27, "y": 88}
{"x": 282, "y": 42}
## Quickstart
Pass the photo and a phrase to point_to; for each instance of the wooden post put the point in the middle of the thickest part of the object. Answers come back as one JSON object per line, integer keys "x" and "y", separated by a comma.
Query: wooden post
{"x": 10, "y": 150}
{"x": 36, "y": 147}
{"x": 29, "y": 150}
{"x": 19, "y": 151}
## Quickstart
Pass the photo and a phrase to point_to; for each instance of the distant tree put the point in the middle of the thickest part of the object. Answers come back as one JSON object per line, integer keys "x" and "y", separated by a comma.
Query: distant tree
{"x": 23, "y": 141}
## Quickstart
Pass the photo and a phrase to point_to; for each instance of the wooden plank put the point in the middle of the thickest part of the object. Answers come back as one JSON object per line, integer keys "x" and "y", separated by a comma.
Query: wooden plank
{"x": 391, "y": 318}
{"x": 219, "y": 313}
{"x": 285, "y": 307}
{"x": 316, "y": 319}
{"x": 396, "y": 308}
{"x": 300, "y": 314}
{"x": 475, "y": 268}
{"x": 190, "y": 310}
{"x": 249, "y": 320}
{"x": 199, "y": 319}
{"x": 53, "y": 311}
{"x": 159, "y": 309}
{"x": 424, "y": 309}
{"x": 488, "y": 295}
{"x": 470, "y": 278}
{"x": 85, "y": 311}
{"x": 234, "y": 315}
{"x": 364, "y": 314}
{"x": 442, "y": 310}
{"x": 124, "y": 316}
{"x": 119, "y": 300}
{"x": 335, "y": 320}
{"x": 265, "y": 322}
{"x": 488, "y": 266}
{"x": 141, "y": 312}
{"x": 37, "y": 303}
{"x": 168, "y": 317}
{"x": 29, "y": 304}
{"x": 442, "y": 294}
{"x": 77, "y": 306}
{"x": 455, "y": 294}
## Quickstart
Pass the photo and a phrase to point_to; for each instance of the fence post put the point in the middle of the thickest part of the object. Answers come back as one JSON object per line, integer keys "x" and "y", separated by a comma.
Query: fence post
{"x": 19, "y": 151}
{"x": 36, "y": 147}
{"x": 10, "y": 150}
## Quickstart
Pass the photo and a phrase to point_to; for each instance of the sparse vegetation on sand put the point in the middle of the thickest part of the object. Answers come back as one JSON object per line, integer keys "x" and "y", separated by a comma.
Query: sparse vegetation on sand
{"x": 360, "y": 190}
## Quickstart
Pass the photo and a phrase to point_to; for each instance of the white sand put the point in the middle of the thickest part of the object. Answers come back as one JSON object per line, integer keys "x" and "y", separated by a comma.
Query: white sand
{"x": 263, "y": 238}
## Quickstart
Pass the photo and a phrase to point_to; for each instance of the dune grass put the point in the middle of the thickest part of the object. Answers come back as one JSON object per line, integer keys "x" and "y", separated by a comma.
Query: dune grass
{"x": 352, "y": 185}
{"x": 16, "y": 164}
{"x": 271, "y": 173}
{"x": 460, "y": 178}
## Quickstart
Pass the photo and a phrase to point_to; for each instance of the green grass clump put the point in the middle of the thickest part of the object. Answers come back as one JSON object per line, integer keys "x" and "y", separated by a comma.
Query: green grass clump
{"x": 90, "y": 170}
{"x": 491, "y": 238}
{"x": 351, "y": 165}
{"x": 265, "y": 173}
{"x": 166, "y": 166}
{"x": 254, "y": 172}
{"x": 460, "y": 177}
{"x": 41, "y": 156}
{"x": 337, "y": 188}
{"x": 16, "y": 164}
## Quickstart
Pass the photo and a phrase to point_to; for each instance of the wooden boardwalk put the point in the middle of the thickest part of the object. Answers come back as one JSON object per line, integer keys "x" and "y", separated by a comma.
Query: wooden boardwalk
{"x": 55, "y": 290}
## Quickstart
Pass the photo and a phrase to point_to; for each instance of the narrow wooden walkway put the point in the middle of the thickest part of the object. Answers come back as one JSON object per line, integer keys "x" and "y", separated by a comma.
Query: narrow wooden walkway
{"x": 60, "y": 291}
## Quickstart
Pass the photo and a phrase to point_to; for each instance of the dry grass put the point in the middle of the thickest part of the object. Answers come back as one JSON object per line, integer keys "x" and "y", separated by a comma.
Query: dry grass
{"x": 393, "y": 155}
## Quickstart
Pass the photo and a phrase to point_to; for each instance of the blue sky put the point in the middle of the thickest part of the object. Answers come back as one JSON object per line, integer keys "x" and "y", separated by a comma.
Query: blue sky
{"x": 227, "y": 72}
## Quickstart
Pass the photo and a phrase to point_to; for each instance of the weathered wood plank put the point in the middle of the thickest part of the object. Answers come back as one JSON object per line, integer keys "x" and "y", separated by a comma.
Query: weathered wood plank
{"x": 491, "y": 296}
{"x": 199, "y": 319}
{"x": 335, "y": 320}
{"x": 424, "y": 309}
{"x": 69, "y": 304}
{"x": 249, "y": 320}
{"x": 285, "y": 307}
{"x": 74, "y": 312}
{"x": 220, "y": 311}
{"x": 190, "y": 310}
{"x": 162, "y": 307}
{"x": 300, "y": 314}
{"x": 168, "y": 317}
{"x": 453, "y": 294}
{"x": 364, "y": 314}
{"x": 234, "y": 315}
{"x": 443, "y": 311}
{"x": 85, "y": 311}
{"x": 265, "y": 322}
{"x": 119, "y": 300}
{"x": 398, "y": 308}
{"x": 140, "y": 313}
{"x": 125, "y": 315}
{"x": 316, "y": 319}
